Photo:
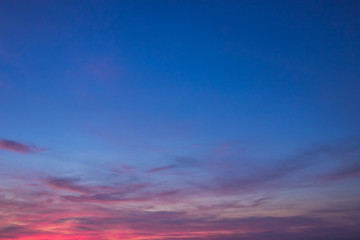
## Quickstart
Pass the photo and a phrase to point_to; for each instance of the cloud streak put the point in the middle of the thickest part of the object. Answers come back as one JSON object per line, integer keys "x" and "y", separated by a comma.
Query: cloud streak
{"x": 67, "y": 184}
{"x": 18, "y": 147}
{"x": 159, "y": 169}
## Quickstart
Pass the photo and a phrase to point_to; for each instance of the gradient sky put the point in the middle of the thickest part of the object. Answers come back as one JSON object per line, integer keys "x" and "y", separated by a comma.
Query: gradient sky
{"x": 179, "y": 120}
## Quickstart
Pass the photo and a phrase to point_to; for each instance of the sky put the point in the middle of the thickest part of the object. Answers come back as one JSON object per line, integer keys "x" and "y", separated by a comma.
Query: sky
{"x": 179, "y": 120}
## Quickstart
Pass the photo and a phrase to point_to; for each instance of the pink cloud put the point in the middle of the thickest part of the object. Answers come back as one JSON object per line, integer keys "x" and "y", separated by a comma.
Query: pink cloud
{"x": 95, "y": 215}
{"x": 137, "y": 208}
{"x": 18, "y": 147}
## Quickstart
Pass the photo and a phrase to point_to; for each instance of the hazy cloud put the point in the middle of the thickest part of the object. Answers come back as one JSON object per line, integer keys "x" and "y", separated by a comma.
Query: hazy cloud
{"x": 10, "y": 145}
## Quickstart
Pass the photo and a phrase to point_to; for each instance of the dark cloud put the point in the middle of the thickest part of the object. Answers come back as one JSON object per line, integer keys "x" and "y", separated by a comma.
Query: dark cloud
{"x": 166, "y": 223}
{"x": 128, "y": 197}
{"x": 234, "y": 205}
{"x": 17, "y": 231}
{"x": 101, "y": 198}
{"x": 309, "y": 233}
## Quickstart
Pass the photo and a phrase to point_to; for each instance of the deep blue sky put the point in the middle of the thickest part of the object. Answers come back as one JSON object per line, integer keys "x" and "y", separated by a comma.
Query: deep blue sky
{"x": 148, "y": 84}
{"x": 233, "y": 69}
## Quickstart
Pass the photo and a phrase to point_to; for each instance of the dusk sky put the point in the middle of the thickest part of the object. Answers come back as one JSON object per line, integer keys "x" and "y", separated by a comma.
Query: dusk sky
{"x": 179, "y": 120}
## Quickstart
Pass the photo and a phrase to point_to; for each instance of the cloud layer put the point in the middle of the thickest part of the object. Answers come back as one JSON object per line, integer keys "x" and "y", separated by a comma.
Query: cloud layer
{"x": 203, "y": 197}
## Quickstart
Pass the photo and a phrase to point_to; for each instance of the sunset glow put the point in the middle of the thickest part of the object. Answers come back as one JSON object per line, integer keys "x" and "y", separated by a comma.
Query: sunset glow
{"x": 179, "y": 120}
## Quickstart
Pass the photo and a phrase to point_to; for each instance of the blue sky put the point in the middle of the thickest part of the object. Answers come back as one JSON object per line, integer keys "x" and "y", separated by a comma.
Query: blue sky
{"x": 239, "y": 99}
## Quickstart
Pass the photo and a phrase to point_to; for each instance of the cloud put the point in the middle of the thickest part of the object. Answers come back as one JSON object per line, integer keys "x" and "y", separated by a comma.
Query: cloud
{"x": 131, "y": 211}
{"x": 229, "y": 203}
{"x": 234, "y": 205}
{"x": 67, "y": 184}
{"x": 153, "y": 170}
{"x": 302, "y": 169}
{"x": 10, "y": 145}
{"x": 101, "y": 198}
{"x": 187, "y": 226}
{"x": 345, "y": 173}
{"x": 100, "y": 191}
{"x": 17, "y": 231}
{"x": 15, "y": 204}
{"x": 130, "y": 196}
{"x": 311, "y": 233}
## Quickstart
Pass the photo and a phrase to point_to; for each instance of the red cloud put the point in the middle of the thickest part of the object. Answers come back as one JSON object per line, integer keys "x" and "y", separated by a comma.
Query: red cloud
{"x": 9, "y": 145}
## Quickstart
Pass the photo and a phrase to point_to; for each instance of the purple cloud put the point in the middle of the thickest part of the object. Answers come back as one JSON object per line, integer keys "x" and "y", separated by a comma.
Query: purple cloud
{"x": 9, "y": 145}
{"x": 67, "y": 184}
{"x": 348, "y": 172}
{"x": 161, "y": 168}
{"x": 101, "y": 198}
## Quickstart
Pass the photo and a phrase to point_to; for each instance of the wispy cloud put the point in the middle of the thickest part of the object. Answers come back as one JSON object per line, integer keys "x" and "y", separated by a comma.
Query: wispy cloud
{"x": 217, "y": 204}
{"x": 352, "y": 171}
{"x": 18, "y": 147}
{"x": 67, "y": 184}
{"x": 330, "y": 162}
{"x": 158, "y": 169}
